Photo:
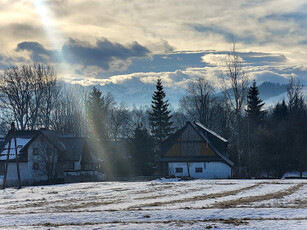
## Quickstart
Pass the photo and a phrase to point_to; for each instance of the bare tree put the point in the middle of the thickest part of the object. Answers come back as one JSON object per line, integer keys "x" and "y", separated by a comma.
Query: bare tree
{"x": 68, "y": 113}
{"x": 50, "y": 95}
{"x": 199, "y": 101}
{"x": 295, "y": 96}
{"x": 235, "y": 85}
{"x": 179, "y": 118}
{"x": 119, "y": 121}
{"x": 22, "y": 91}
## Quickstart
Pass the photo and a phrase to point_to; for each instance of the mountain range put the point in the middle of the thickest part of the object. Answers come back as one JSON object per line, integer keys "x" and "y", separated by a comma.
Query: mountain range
{"x": 141, "y": 93}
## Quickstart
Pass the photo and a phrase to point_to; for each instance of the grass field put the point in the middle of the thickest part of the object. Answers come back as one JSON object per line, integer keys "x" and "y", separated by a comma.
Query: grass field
{"x": 159, "y": 204}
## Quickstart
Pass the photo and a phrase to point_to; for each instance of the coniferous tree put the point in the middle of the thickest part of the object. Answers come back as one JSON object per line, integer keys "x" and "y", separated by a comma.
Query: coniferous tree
{"x": 96, "y": 114}
{"x": 159, "y": 117}
{"x": 255, "y": 116}
{"x": 280, "y": 112}
{"x": 254, "y": 111}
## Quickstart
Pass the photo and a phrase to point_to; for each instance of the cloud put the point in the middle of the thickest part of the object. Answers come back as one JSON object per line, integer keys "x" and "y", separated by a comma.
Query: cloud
{"x": 103, "y": 54}
{"x": 215, "y": 59}
{"x": 38, "y": 52}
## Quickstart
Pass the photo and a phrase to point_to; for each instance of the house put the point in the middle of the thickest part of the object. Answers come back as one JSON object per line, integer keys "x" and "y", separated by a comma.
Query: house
{"x": 45, "y": 155}
{"x": 196, "y": 151}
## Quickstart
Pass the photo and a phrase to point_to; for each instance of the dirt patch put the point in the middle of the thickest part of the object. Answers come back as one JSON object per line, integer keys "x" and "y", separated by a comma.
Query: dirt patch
{"x": 251, "y": 199}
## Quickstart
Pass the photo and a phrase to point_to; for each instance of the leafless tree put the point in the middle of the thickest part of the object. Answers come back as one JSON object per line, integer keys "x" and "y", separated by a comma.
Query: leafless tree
{"x": 22, "y": 90}
{"x": 50, "y": 96}
{"x": 119, "y": 121}
{"x": 199, "y": 101}
{"x": 48, "y": 158}
{"x": 179, "y": 118}
{"x": 235, "y": 85}
{"x": 294, "y": 92}
{"x": 68, "y": 113}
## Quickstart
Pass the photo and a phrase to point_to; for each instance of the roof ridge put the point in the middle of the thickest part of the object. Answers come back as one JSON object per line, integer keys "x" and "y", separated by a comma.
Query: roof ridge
{"x": 210, "y": 131}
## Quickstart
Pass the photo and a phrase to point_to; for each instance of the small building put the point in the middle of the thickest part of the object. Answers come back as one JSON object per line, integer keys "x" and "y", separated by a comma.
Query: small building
{"x": 196, "y": 151}
{"x": 45, "y": 155}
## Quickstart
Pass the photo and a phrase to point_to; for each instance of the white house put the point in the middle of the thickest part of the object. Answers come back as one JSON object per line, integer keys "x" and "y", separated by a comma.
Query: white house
{"x": 46, "y": 155}
{"x": 197, "y": 152}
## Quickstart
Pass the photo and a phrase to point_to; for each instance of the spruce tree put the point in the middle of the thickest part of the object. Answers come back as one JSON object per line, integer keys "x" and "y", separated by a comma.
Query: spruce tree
{"x": 254, "y": 111}
{"x": 159, "y": 117}
{"x": 95, "y": 114}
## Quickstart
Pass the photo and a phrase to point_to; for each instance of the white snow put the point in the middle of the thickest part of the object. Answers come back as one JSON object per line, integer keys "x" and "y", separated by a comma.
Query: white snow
{"x": 158, "y": 204}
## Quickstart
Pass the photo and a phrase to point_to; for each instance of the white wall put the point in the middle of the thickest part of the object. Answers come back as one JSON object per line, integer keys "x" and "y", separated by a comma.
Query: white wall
{"x": 210, "y": 170}
{"x": 12, "y": 178}
{"x": 42, "y": 144}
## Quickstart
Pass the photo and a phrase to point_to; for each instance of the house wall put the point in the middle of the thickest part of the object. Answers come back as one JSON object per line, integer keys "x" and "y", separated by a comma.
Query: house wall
{"x": 12, "y": 178}
{"x": 210, "y": 170}
{"x": 42, "y": 159}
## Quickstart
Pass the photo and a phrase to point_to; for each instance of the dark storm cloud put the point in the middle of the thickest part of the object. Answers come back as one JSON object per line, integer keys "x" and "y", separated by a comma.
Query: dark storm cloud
{"x": 102, "y": 54}
{"x": 38, "y": 52}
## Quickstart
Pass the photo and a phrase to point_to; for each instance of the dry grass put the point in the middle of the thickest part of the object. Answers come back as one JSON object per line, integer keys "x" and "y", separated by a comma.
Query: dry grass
{"x": 251, "y": 199}
{"x": 195, "y": 198}
{"x": 230, "y": 221}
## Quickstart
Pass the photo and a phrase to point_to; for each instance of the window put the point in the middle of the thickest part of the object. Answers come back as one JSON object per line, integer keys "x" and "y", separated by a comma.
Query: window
{"x": 35, "y": 151}
{"x": 179, "y": 170}
{"x": 35, "y": 166}
{"x": 198, "y": 170}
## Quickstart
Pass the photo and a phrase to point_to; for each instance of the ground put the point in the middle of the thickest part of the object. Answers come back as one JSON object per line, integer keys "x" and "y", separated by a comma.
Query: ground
{"x": 159, "y": 204}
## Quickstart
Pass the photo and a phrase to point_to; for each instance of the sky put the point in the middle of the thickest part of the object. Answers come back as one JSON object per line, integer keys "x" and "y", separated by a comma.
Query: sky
{"x": 129, "y": 42}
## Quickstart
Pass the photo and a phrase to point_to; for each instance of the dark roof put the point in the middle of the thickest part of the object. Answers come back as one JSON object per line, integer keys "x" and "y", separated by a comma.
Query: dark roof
{"x": 74, "y": 147}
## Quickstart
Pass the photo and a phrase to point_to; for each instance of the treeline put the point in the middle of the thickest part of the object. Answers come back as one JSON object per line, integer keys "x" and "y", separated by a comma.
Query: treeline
{"x": 263, "y": 141}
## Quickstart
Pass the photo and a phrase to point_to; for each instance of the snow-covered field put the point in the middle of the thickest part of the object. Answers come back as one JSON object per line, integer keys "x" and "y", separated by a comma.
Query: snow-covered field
{"x": 159, "y": 204}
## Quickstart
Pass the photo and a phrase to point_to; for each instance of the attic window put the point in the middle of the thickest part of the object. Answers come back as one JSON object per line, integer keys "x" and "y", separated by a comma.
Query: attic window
{"x": 179, "y": 170}
{"x": 35, "y": 151}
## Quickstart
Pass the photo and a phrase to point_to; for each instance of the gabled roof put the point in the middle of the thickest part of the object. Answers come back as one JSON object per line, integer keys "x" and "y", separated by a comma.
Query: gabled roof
{"x": 200, "y": 129}
{"x": 203, "y": 133}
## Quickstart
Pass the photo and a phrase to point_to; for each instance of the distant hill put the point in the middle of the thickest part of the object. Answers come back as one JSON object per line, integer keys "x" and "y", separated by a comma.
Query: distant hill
{"x": 140, "y": 93}
{"x": 270, "y": 89}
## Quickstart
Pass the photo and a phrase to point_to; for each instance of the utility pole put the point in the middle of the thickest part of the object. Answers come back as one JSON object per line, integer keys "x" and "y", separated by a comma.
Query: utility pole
{"x": 12, "y": 134}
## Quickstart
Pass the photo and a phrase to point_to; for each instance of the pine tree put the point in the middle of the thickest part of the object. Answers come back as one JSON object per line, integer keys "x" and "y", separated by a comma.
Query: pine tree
{"x": 254, "y": 111}
{"x": 280, "y": 112}
{"x": 95, "y": 113}
{"x": 159, "y": 117}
